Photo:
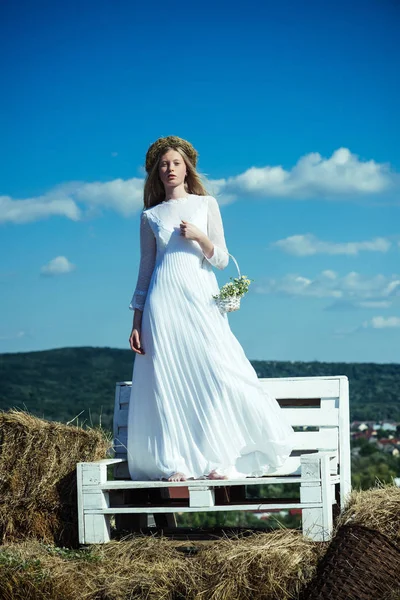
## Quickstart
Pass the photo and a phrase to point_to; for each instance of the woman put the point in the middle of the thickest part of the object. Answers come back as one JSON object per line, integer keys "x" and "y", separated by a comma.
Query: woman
{"x": 197, "y": 408}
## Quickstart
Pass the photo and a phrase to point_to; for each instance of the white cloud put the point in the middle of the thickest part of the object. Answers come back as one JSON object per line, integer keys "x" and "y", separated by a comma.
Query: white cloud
{"x": 308, "y": 244}
{"x": 382, "y": 323}
{"x": 70, "y": 199}
{"x": 352, "y": 287}
{"x": 57, "y": 266}
{"x": 36, "y": 209}
{"x": 323, "y": 286}
{"x": 341, "y": 176}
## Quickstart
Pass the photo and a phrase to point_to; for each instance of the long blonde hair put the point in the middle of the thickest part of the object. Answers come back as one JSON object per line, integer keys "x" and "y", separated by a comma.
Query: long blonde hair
{"x": 154, "y": 191}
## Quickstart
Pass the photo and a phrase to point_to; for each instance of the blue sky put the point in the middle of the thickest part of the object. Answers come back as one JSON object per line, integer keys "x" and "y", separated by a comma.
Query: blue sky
{"x": 293, "y": 108}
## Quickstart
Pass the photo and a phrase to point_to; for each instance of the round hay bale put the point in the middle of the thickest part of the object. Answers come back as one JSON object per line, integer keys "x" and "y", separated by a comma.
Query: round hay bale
{"x": 359, "y": 564}
{"x": 377, "y": 508}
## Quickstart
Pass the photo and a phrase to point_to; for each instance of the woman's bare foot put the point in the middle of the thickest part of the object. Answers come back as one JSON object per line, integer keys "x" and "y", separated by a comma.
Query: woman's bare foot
{"x": 177, "y": 477}
{"x": 215, "y": 475}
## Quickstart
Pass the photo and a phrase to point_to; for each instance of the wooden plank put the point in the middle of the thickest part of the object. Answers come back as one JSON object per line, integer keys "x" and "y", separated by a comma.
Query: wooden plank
{"x": 239, "y": 507}
{"x": 129, "y": 484}
{"x": 298, "y": 387}
{"x": 327, "y": 499}
{"x": 103, "y": 461}
{"x": 344, "y": 440}
{"x": 312, "y": 417}
{"x": 116, "y": 409}
{"x": 320, "y": 440}
{"x": 182, "y": 502}
{"x": 320, "y": 382}
{"x": 125, "y": 393}
{"x": 81, "y": 519}
{"x": 268, "y": 479}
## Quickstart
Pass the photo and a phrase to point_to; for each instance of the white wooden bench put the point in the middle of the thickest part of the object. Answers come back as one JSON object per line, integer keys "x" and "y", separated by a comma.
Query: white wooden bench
{"x": 318, "y": 409}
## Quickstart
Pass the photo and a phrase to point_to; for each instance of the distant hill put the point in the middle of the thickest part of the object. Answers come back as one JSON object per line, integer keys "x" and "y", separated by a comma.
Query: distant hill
{"x": 59, "y": 384}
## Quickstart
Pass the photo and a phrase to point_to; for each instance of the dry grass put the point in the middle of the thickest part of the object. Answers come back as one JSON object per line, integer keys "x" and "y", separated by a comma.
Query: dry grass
{"x": 376, "y": 508}
{"x": 38, "y": 476}
{"x": 268, "y": 566}
{"x": 271, "y": 566}
{"x": 31, "y": 570}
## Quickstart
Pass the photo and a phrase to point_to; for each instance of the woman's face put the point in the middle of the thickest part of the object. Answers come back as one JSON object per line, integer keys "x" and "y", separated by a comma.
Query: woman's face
{"x": 172, "y": 169}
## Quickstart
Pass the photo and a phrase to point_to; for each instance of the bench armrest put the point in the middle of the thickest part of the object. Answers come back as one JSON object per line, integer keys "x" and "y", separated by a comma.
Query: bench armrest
{"x": 104, "y": 461}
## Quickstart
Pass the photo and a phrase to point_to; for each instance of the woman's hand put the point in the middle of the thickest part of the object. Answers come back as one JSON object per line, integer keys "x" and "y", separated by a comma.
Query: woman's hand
{"x": 190, "y": 231}
{"x": 134, "y": 341}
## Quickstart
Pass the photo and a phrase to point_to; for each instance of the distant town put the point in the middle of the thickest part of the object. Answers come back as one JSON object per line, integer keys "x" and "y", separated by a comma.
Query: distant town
{"x": 385, "y": 434}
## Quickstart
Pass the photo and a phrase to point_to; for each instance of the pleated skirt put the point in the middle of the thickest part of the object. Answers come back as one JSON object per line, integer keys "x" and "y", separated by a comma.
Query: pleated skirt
{"x": 196, "y": 402}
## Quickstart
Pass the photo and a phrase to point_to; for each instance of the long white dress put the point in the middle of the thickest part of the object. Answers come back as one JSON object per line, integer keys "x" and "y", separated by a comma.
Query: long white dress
{"x": 196, "y": 402}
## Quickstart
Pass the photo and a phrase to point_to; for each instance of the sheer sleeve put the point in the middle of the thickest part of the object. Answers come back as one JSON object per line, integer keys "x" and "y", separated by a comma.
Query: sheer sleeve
{"x": 215, "y": 232}
{"x": 147, "y": 261}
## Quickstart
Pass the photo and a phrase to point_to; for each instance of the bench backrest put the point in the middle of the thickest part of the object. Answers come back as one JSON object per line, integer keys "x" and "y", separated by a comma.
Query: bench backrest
{"x": 317, "y": 407}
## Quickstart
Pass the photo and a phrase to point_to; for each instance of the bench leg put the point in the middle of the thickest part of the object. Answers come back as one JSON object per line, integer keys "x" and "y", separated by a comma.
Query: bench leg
{"x": 327, "y": 498}
{"x": 317, "y": 522}
{"x": 97, "y": 529}
{"x": 94, "y": 528}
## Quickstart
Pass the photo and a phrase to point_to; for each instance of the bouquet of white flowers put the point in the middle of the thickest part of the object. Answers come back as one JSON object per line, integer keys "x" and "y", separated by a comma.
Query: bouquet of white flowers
{"x": 230, "y": 294}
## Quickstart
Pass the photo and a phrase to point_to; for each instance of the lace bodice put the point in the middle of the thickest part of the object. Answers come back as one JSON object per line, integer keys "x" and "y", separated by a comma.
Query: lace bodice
{"x": 169, "y": 213}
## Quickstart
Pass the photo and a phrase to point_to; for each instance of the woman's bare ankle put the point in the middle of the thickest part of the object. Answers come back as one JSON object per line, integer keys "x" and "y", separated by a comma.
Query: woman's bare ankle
{"x": 177, "y": 477}
{"x": 215, "y": 475}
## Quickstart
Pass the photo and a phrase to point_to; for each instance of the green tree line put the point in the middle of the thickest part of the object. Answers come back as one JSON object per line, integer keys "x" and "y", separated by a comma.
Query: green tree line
{"x": 62, "y": 383}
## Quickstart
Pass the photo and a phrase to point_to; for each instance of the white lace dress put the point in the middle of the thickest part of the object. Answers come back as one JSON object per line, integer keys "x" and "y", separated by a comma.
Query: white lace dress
{"x": 196, "y": 402}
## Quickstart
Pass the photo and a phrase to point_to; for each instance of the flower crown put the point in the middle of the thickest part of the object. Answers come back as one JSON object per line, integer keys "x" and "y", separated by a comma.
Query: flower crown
{"x": 162, "y": 144}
